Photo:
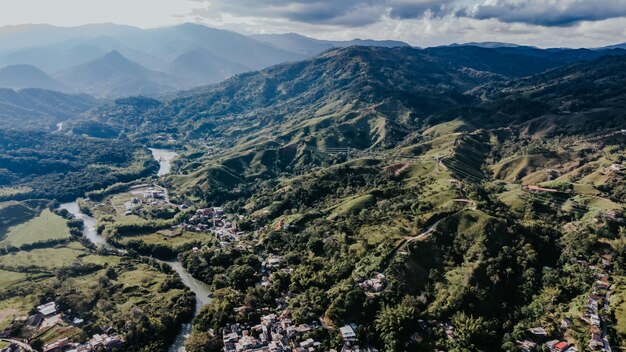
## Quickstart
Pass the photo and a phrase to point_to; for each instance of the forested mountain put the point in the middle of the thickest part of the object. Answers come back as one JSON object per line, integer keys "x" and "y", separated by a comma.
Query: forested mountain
{"x": 114, "y": 75}
{"x": 447, "y": 198}
{"x": 182, "y": 56}
{"x": 27, "y": 76}
{"x": 376, "y": 95}
{"x": 39, "y": 108}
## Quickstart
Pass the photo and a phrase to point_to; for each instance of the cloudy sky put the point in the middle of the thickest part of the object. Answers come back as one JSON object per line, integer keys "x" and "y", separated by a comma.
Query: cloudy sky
{"x": 544, "y": 23}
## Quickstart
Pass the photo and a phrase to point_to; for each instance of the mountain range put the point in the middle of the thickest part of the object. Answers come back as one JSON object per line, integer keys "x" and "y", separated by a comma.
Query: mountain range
{"x": 156, "y": 60}
{"x": 453, "y": 175}
{"x": 164, "y": 60}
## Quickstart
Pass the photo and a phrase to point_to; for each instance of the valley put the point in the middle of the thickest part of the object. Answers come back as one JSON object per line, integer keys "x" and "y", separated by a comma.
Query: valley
{"x": 363, "y": 198}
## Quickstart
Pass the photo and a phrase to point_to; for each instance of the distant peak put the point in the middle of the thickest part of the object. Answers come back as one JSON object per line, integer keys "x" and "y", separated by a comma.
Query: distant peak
{"x": 114, "y": 53}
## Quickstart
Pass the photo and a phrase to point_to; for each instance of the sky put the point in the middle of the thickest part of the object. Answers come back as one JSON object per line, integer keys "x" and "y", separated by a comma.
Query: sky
{"x": 542, "y": 23}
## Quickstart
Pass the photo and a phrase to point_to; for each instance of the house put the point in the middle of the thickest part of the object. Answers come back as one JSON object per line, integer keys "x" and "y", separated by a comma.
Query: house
{"x": 566, "y": 323}
{"x": 538, "y": 331}
{"x": 57, "y": 346}
{"x": 347, "y": 333}
{"x": 526, "y": 346}
{"x": 561, "y": 346}
{"x": 417, "y": 338}
{"x": 595, "y": 343}
{"x": 47, "y": 309}
{"x": 34, "y": 320}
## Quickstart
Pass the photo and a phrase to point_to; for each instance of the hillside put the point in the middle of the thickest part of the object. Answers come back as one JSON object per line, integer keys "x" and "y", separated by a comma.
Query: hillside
{"x": 575, "y": 98}
{"x": 115, "y": 75}
{"x": 395, "y": 190}
{"x": 40, "y": 109}
{"x": 199, "y": 66}
{"x": 27, "y": 76}
{"x": 393, "y": 89}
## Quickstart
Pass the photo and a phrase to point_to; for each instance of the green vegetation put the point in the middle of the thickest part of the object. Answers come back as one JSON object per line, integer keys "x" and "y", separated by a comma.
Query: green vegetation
{"x": 46, "y": 226}
{"x": 359, "y": 162}
{"x": 43, "y": 165}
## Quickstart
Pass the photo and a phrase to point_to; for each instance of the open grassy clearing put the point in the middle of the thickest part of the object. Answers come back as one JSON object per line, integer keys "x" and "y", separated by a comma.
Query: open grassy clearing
{"x": 42, "y": 258}
{"x": 57, "y": 332}
{"x": 11, "y": 278}
{"x": 46, "y": 226}
{"x": 353, "y": 205}
{"x": 14, "y": 307}
{"x": 102, "y": 260}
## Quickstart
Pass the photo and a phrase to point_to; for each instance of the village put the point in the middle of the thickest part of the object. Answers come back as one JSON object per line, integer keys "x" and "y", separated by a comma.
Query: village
{"x": 594, "y": 315}
{"x": 47, "y": 318}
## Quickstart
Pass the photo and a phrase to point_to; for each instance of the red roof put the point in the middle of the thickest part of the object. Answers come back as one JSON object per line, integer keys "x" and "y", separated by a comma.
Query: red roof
{"x": 561, "y": 346}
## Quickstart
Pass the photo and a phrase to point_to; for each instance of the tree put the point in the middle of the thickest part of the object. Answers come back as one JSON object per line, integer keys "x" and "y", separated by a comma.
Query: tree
{"x": 202, "y": 342}
{"x": 242, "y": 277}
{"x": 37, "y": 345}
{"x": 471, "y": 334}
{"x": 394, "y": 323}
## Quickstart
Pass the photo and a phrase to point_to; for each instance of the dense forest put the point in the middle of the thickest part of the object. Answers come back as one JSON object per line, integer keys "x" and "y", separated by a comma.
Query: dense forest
{"x": 57, "y": 166}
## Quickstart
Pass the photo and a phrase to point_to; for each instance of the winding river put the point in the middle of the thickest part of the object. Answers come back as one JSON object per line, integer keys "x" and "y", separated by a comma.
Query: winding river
{"x": 202, "y": 291}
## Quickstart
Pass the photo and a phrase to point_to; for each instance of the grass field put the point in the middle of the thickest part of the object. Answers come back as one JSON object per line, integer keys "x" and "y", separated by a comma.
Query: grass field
{"x": 44, "y": 258}
{"x": 11, "y": 278}
{"x": 46, "y": 226}
{"x": 353, "y": 205}
{"x": 57, "y": 332}
{"x": 102, "y": 260}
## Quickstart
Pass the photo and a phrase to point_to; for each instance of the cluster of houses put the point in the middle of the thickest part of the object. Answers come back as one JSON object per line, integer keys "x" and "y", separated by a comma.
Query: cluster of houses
{"x": 213, "y": 220}
{"x": 273, "y": 334}
{"x": 591, "y": 315}
{"x": 376, "y": 284}
{"x": 48, "y": 315}
{"x": 271, "y": 264}
{"x": 539, "y": 334}
{"x": 98, "y": 342}
{"x": 151, "y": 196}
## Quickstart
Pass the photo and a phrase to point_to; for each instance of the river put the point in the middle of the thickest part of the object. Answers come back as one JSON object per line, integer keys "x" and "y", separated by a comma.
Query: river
{"x": 164, "y": 157}
{"x": 201, "y": 290}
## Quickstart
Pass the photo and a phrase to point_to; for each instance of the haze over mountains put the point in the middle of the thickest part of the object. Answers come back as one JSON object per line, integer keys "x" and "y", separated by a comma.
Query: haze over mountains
{"x": 95, "y": 58}
{"x": 108, "y": 60}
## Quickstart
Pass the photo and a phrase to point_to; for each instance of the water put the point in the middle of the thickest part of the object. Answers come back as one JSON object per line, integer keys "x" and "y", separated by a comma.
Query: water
{"x": 164, "y": 157}
{"x": 201, "y": 290}
{"x": 89, "y": 229}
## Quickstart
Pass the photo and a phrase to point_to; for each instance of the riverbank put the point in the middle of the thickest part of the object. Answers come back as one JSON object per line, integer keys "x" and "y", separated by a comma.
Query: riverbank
{"x": 200, "y": 289}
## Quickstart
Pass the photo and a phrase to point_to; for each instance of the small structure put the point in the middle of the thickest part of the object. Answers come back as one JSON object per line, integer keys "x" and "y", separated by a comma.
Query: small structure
{"x": 57, "y": 346}
{"x": 538, "y": 331}
{"x": 347, "y": 333}
{"x": 526, "y": 346}
{"x": 47, "y": 309}
{"x": 375, "y": 284}
{"x": 34, "y": 320}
